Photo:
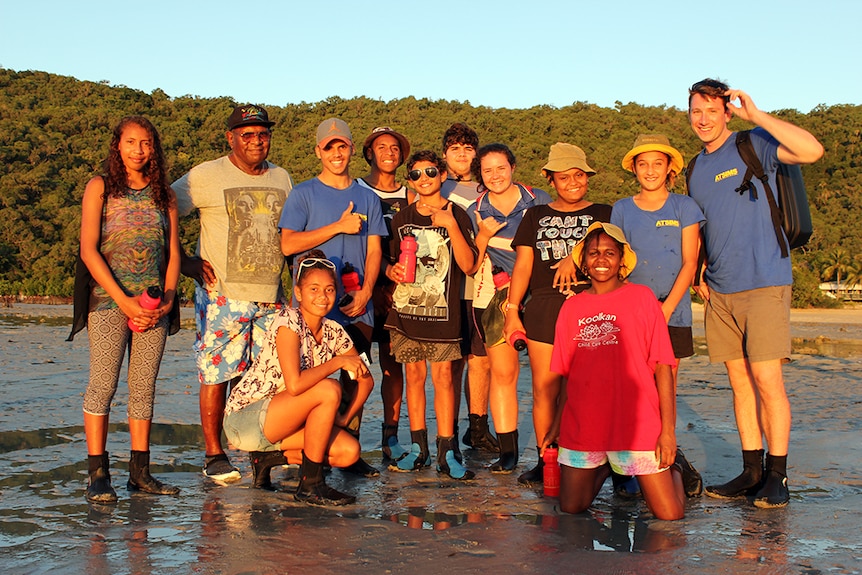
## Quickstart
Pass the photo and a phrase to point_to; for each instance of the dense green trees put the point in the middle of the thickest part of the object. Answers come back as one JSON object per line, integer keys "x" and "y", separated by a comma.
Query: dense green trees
{"x": 54, "y": 132}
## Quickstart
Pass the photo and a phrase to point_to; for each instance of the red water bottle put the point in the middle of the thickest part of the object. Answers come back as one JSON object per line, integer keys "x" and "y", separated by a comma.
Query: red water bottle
{"x": 551, "y": 472}
{"x": 407, "y": 258}
{"x": 517, "y": 339}
{"x": 150, "y": 299}
{"x": 350, "y": 281}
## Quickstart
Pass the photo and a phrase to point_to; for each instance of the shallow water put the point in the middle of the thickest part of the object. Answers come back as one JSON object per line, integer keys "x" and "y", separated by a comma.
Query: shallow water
{"x": 407, "y": 522}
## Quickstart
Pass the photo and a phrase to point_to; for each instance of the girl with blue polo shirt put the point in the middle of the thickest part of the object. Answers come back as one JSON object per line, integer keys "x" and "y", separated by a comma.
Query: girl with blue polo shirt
{"x": 496, "y": 215}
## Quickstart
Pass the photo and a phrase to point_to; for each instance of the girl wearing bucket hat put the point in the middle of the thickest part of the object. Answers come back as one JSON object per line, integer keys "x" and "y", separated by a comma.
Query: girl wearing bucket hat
{"x": 663, "y": 229}
{"x": 546, "y": 235}
{"x": 613, "y": 349}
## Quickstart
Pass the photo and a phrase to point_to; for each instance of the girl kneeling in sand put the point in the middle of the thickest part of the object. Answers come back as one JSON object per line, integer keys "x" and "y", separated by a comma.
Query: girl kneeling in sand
{"x": 613, "y": 349}
{"x": 286, "y": 407}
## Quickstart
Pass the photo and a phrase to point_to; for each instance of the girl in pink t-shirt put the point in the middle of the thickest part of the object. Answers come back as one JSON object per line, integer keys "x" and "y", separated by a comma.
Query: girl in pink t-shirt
{"x": 613, "y": 349}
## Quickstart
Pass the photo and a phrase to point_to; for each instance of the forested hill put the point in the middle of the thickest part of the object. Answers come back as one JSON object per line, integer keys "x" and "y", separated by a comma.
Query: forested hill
{"x": 54, "y": 133}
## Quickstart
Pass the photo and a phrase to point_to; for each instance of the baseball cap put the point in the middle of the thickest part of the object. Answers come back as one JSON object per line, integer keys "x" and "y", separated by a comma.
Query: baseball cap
{"x": 333, "y": 129}
{"x": 248, "y": 115}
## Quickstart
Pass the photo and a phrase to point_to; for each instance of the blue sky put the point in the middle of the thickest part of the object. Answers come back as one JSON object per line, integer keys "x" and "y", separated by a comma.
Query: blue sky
{"x": 789, "y": 54}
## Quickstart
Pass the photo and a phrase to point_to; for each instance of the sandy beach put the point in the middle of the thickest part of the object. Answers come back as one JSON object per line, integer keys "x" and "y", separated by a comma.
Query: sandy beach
{"x": 422, "y": 522}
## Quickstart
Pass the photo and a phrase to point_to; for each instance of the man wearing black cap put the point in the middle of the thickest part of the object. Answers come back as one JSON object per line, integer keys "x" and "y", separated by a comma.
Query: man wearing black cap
{"x": 237, "y": 266}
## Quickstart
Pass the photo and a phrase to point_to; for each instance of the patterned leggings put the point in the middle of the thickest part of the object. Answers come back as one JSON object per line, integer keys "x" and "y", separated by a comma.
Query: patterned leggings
{"x": 109, "y": 336}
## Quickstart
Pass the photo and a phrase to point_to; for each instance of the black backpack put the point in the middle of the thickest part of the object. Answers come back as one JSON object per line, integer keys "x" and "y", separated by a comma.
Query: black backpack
{"x": 791, "y": 216}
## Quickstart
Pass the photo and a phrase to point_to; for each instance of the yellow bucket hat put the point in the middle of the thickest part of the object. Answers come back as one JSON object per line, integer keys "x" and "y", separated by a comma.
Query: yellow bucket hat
{"x": 653, "y": 143}
{"x": 629, "y": 260}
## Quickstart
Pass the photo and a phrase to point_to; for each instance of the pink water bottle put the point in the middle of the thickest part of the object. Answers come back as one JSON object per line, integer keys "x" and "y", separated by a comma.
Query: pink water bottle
{"x": 408, "y": 257}
{"x": 551, "y": 472}
{"x": 150, "y": 299}
{"x": 501, "y": 277}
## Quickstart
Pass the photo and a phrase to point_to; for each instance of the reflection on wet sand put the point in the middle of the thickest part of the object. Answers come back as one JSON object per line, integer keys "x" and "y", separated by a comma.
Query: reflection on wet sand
{"x": 408, "y": 523}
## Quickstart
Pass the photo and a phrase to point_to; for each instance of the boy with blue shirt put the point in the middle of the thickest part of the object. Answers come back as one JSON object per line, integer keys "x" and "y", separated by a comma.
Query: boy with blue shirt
{"x": 337, "y": 215}
{"x": 746, "y": 283}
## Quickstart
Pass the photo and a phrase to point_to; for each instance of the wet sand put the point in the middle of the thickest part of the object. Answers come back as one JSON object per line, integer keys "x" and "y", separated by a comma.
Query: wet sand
{"x": 418, "y": 522}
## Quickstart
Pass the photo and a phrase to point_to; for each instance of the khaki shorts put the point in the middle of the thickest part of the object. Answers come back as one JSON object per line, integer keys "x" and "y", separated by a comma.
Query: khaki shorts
{"x": 408, "y": 350}
{"x": 752, "y": 325}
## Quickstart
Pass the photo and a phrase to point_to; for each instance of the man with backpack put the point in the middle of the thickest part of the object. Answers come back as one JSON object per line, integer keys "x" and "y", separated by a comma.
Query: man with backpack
{"x": 746, "y": 280}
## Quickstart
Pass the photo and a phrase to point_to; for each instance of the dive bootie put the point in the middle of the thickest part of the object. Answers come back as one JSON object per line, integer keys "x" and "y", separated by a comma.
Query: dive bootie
{"x": 508, "y": 453}
{"x": 262, "y": 463}
{"x": 312, "y": 488}
{"x": 692, "y": 482}
{"x": 418, "y": 456}
{"x": 140, "y": 478}
{"x": 746, "y": 483}
{"x": 479, "y": 436}
{"x": 448, "y": 463}
{"x": 536, "y": 475}
{"x": 99, "y": 488}
{"x": 392, "y": 450}
{"x": 456, "y": 447}
{"x": 774, "y": 493}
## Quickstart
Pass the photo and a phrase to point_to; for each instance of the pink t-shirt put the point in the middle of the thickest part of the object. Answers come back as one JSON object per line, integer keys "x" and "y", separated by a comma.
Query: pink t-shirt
{"x": 606, "y": 348}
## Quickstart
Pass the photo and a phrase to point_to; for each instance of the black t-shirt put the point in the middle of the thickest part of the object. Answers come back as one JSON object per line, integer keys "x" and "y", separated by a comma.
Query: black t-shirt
{"x": 552, "y": 235}
{"x": 429, "y": 309}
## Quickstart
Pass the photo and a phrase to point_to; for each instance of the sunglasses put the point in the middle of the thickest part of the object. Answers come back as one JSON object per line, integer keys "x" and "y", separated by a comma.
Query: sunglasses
{"x": 247, "y": 137}
{"x": 314, "y": 263}
{"x": 416, "y": 174}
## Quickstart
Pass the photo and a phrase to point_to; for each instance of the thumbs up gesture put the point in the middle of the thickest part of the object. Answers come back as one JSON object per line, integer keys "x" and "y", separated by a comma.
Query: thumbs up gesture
{"x": 350, "y": 223}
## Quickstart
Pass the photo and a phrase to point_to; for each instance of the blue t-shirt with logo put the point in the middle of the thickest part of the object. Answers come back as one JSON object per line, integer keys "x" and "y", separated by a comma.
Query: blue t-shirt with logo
{"x": 656, "y": 238}
{"x": 741, "y": 247}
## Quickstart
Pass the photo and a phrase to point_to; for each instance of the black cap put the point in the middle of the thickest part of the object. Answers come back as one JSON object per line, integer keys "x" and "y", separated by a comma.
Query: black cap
{"x": 248, "y": 115}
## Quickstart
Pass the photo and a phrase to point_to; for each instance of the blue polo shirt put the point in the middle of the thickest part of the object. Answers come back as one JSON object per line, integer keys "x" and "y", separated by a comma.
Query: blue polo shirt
{"x": 500, "y": 248}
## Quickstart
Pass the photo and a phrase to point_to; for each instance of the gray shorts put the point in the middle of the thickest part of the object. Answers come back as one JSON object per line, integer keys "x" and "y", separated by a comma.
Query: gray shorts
{"x": 752, "y": 324}
{"x": 244, "y": 428}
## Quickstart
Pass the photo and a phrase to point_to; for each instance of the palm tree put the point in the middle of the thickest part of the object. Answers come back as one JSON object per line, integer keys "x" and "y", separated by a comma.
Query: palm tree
{"x": 837, "y": 262}
{"x": 853, "y": 274}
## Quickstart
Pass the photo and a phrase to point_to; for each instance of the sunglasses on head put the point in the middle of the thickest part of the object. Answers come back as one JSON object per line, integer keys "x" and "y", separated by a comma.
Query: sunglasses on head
{"x": 416, "y": 174}
{"x": 313, "y": 263}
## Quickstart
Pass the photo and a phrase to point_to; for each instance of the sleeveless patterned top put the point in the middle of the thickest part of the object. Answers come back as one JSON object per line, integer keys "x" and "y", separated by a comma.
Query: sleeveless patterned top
{"x": 134, "y": 235}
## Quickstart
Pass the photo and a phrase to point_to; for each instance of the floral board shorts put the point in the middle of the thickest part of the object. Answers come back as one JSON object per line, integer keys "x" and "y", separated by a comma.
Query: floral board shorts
{"x": 229, "y": 334}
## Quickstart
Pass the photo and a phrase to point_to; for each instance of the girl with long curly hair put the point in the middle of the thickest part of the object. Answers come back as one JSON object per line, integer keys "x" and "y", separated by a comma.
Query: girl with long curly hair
{"x": 129, "y": 242}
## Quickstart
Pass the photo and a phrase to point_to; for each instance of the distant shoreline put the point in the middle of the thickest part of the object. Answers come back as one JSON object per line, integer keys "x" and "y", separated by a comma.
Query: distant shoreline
{"x": 806, "y": 324}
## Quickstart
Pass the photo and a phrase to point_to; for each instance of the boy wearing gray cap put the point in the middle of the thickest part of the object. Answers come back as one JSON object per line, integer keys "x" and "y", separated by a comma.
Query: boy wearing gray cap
{"x": 337, "y": 215}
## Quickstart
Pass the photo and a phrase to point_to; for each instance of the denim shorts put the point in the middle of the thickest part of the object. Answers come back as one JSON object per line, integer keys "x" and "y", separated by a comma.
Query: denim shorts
{"x": 244, "y": 428}
{"x": 622, "y": 462}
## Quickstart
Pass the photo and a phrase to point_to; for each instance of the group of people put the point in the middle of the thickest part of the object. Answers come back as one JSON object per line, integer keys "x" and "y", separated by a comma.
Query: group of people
{"x": 459, "y": 269}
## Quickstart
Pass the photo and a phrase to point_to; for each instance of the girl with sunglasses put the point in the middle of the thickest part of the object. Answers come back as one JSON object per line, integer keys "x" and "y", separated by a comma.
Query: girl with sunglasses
{"x": 496, "y": 215}
{"x": 286, "y": 407}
